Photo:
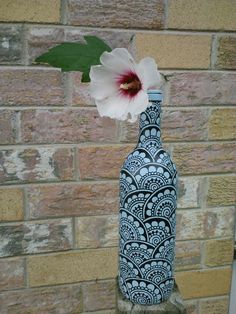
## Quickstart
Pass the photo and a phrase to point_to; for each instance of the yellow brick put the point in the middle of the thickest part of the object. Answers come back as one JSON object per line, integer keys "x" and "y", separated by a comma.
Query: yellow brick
{"x": 222, "y": 124}
{"x": 219, "y": 252}
{"x": 197, "y": 284}
{"x": 11, "y": 204}
{"x": 96, "y": 231}
{"x": 222, "y": 190}
{"x": 226, "y": 55}
{"x": 72, "y": 267}
{"x": 188, "y": 255}
{"x": 219, "y": 306}
{"x": 198, "y": 14}
{"x": 175, "y": 51}
{"x": 30, "y": 11}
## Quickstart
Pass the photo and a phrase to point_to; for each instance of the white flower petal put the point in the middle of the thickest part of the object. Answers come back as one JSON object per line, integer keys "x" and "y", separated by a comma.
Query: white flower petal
{"x": 119, "y": 61}
{"x": 101, "y": 91}
{"x": 150, "y": 76}
{"x": 119, "y": 107}
{"x": 125, "y": 56}
{"x": 100, "y": 73}
{"x": 138, "y": 105}
{"x": 102, "y": 82}
{"x": 113, "y": 107}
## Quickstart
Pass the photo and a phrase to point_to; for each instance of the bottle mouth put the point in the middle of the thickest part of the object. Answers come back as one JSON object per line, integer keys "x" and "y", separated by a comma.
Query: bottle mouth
{"x": 154, "y": 94}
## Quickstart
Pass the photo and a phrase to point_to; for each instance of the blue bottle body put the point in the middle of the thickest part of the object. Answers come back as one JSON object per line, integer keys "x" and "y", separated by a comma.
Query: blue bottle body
{"x": 147, "y": 215}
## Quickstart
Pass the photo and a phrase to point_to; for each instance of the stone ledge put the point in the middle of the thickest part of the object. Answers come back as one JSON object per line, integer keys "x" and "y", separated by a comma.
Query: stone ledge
{"x": 174, "y": 305}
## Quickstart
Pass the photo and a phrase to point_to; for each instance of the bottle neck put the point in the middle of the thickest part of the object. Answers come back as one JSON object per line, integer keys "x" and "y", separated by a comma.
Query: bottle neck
{"x": 149, "y": 127}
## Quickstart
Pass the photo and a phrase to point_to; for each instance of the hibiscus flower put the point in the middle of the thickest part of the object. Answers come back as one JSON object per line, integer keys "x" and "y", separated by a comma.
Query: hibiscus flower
{"x": 120, "y": 86}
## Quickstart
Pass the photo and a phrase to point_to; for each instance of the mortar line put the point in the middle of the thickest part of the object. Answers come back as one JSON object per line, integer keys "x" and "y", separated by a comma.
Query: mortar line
{"x": 203, "y": 253}
{"x": 105, "y": 180}
{"x": 209, "y": 115}
{"x": 76, "y": 164}
{"x": 57, "y": 285}
{"x": 25, "y": 56}
{"x": 204, "y": 192}
{"x": 169, "y": 71}
{"x": 126, "y": 30}
{"x": 25, "y": 203}
{"x": 47, "y": 145}
{"x": 67, "y": 87}
{"x": 64, "y": 12}
{"x": 27, "y": 273}
{"x": 108, "y": 181}
{"x": 214, "y": 50}
{"x": 18, "y": 126}
{"x": 43, "y": 219}
{"x": 73, "y": 224}
{"x": 166, "y": 14}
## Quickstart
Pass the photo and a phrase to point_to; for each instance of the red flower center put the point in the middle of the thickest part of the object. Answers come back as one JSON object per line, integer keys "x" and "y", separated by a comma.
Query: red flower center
{"x": 129, "y": 84}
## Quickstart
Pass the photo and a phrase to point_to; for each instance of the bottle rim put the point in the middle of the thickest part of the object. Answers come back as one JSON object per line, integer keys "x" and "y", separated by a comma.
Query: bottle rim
{"x": 155, "y": 95}
{"x": 154, "y": 91}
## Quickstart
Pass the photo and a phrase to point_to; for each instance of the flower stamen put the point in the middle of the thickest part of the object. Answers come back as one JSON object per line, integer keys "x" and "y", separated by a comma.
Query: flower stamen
{"x": 129, "y": 84}
{"x": 135, "y": 84}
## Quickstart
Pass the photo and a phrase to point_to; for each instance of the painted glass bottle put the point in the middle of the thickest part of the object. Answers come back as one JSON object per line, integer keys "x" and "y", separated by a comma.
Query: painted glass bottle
{"x": 147, "y": 217}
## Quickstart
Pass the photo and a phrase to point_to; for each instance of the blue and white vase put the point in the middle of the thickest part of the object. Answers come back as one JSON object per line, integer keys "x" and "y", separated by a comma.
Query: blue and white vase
{"x": 147, "y": 216}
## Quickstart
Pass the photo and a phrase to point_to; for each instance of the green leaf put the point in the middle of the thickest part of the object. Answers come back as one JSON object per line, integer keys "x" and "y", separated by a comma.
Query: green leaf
{"x": 85, "y": 77}
{"x": 76, "y": 56}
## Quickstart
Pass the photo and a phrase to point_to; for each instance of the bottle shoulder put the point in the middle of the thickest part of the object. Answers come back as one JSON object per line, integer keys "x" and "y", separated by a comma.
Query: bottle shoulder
{"x": 141, "y": 157}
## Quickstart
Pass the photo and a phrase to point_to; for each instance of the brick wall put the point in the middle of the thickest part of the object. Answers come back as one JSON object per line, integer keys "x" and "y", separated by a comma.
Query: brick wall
{"x": 60, "y": 161}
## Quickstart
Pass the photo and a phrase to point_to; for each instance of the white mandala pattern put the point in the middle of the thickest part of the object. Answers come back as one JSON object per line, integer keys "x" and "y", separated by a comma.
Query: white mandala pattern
{"x": 148, "y": 200}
